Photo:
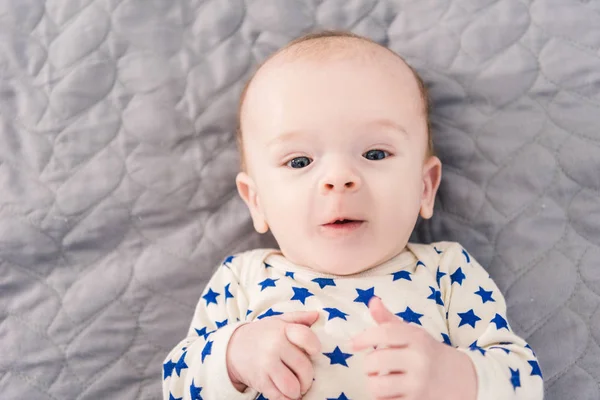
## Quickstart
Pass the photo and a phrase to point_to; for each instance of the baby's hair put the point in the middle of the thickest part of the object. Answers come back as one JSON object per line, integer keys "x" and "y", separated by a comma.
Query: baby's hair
{"x": 317, "y": 44}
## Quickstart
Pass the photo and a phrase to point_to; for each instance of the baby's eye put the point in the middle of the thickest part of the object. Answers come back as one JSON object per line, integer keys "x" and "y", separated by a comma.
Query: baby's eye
{"x": 376, "y": 154}
{"x": 299, "y": 162}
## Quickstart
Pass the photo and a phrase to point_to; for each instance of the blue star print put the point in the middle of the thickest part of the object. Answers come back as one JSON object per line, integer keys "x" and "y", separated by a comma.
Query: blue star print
{"x": 335, "y": 313}
{"x": 338, "y": 357}
{"x": 168, "y": 369}
{"x": 180, "y": 364}
{"x": 228, "y": 260}
{"x": 324, "y": 282}
{"x": 195, "y": 391}
{"x": 457, "y": 277}
{"x": 341, "y": 397}
{"x": 468, "y": 318}
{"x": 267, "y": 265}
{"x": 401, "y": 275}
{"x": 420, "y": 263}
{"x": 261, "y": 397}
{"x": 171, "y": 397}
{"x": 515, "y": 378}
{"x": 436, "y": 250}
{"x": 269, "y": 313}
{"x": 535, "y": 368}
{"x": 466, "y": 256}
{"x": 365, "y": 295}
{"x": 290, "y": 274}
{"x": 221, "y": 324}
{"x": 500, "y": 322}
{"x": 228, "y": 294}
{"x": 202, "y": 332}
{"x": 267, "y": 283}
{"x": 248, "y": 312}
{"x": 504, "y": 349}
{"x": 485, "y": 295}
{"x": 206, "y": 351}
{"x": 474, "y": 347}
{"x": 446, "y": 339}
{"x": 409, "y": 315}
{"x": 436, "y": 295}
{"x": 439, "y": 275}
{"x": 210, "y": 297}
{"x": 527, "y": 346}
{"x": 301, "y": 294}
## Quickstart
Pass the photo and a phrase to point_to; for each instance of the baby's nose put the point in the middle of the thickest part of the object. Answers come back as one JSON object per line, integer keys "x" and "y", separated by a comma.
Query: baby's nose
{"x": 340, "y": 181}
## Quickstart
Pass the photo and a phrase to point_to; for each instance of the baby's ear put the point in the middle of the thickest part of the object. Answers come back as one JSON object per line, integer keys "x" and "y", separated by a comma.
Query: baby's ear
{"x": 247, "y": 190}
{"x": 432, "y": 175}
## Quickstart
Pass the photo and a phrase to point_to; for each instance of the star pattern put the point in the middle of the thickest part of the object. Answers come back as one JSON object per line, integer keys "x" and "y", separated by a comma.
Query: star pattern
{"x": 228, "y": 294}
{"x": 206, "y": 351}
{"x": 268, "y": 283}
{"x": 342, "y": 396}
{"x": 195, "y": 391}
{"x": 203, "y": 332}
{"x": 475, "y": 347}
{"x": 515, "y": 378}
{"x": 409, "y": 315}
{"x": 468, "y": 318}
{"x": 535, "y": 368}
{"x": 171, "y": 397}
{"x": 324, "y": 282}
{"x": 335, "y": 313}
{"x": 175, "y": 369}
{"x": 485, "y": 295}
{"x": 261, "y": 397}
{"x": 436, "y": 296}
{"x": 168, "y": 369}
{"x": 401, "y": 275}
{"x": 211, "y": 297}
{"x": 269, "y": 313}
{"x": 181, "y": 364}
{"x": 228, "y": 260}
{"x": 458, "y": 276}
{"x": 439, "y": 275}
{"x": 301, "y": 294}
{"x": 338, "y": 357}
{"x": 467, "y": 258}
{"x": 446, "y": 339}
{"x": 500, "y": 322}
{"x": 365, "y": 295}
{"x": 221, "y": 324}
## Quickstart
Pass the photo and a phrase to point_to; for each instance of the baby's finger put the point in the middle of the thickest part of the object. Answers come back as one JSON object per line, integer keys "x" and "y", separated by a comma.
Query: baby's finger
{"x": 387, "y": 386}
{"x": 385, "y": 361}
{"x": 388, "y": 335}
{"x": 300, "y": 365}
{"x": 303, "y": 337}
{"x": 285, "y": 381}
{"x": 270, "y": 391}
{"x": 300, "y": 317}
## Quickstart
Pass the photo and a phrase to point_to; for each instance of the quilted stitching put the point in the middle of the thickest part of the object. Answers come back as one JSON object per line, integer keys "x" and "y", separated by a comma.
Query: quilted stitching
{"x": 117, "y": 161}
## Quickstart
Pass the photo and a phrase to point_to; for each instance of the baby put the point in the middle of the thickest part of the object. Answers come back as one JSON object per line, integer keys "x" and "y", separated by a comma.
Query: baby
{"x": 337, "y": 162}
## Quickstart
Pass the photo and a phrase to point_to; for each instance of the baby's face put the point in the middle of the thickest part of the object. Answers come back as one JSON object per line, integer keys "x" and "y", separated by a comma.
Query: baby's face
{"x": 331, "y": 140}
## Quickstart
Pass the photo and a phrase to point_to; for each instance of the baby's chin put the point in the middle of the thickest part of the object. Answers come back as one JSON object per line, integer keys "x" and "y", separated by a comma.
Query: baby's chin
{"x": 342, "y": 263}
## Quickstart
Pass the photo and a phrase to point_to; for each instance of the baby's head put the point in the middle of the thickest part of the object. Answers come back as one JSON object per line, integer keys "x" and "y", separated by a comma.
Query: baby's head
{"x": 335, "y": 126}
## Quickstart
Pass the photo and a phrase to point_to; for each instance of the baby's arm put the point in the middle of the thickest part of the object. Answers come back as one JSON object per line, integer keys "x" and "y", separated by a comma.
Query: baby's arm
{"x": 196, "y": 368}
{"x": 506, "y": 366}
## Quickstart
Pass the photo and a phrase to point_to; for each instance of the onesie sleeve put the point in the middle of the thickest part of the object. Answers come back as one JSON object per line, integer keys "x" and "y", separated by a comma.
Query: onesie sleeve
{"x": 506, "y": 365}
{"x": 196, "y": 367}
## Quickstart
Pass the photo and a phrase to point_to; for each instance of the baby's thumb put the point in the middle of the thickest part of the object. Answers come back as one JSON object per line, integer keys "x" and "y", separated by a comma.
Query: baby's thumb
{"x": 301, "y": 317}
{"x": 379, "y": 312}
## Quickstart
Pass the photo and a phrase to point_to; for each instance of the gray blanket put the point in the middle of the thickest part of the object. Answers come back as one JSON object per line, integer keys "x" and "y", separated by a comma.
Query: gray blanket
{"x": 117, "y": 160}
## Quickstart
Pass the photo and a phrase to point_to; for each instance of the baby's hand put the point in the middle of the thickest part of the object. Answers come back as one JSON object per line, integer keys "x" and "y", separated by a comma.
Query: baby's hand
{"x": 407, "y": 362}
{"x": 271, "y": 355}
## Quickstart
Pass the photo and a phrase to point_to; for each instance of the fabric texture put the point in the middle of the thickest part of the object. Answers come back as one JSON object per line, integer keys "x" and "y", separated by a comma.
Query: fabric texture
{"x": 117, "y": 165}
{"x": 438, "y": 287}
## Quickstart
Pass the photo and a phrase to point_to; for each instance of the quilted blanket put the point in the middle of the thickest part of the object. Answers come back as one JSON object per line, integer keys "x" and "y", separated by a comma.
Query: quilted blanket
{"x": 117, "y": 165}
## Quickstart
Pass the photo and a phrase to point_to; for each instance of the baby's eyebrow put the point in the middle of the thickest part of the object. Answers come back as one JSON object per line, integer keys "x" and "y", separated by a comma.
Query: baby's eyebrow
{"x": 387, "y": 124}
{"x": 284, "y": 137}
